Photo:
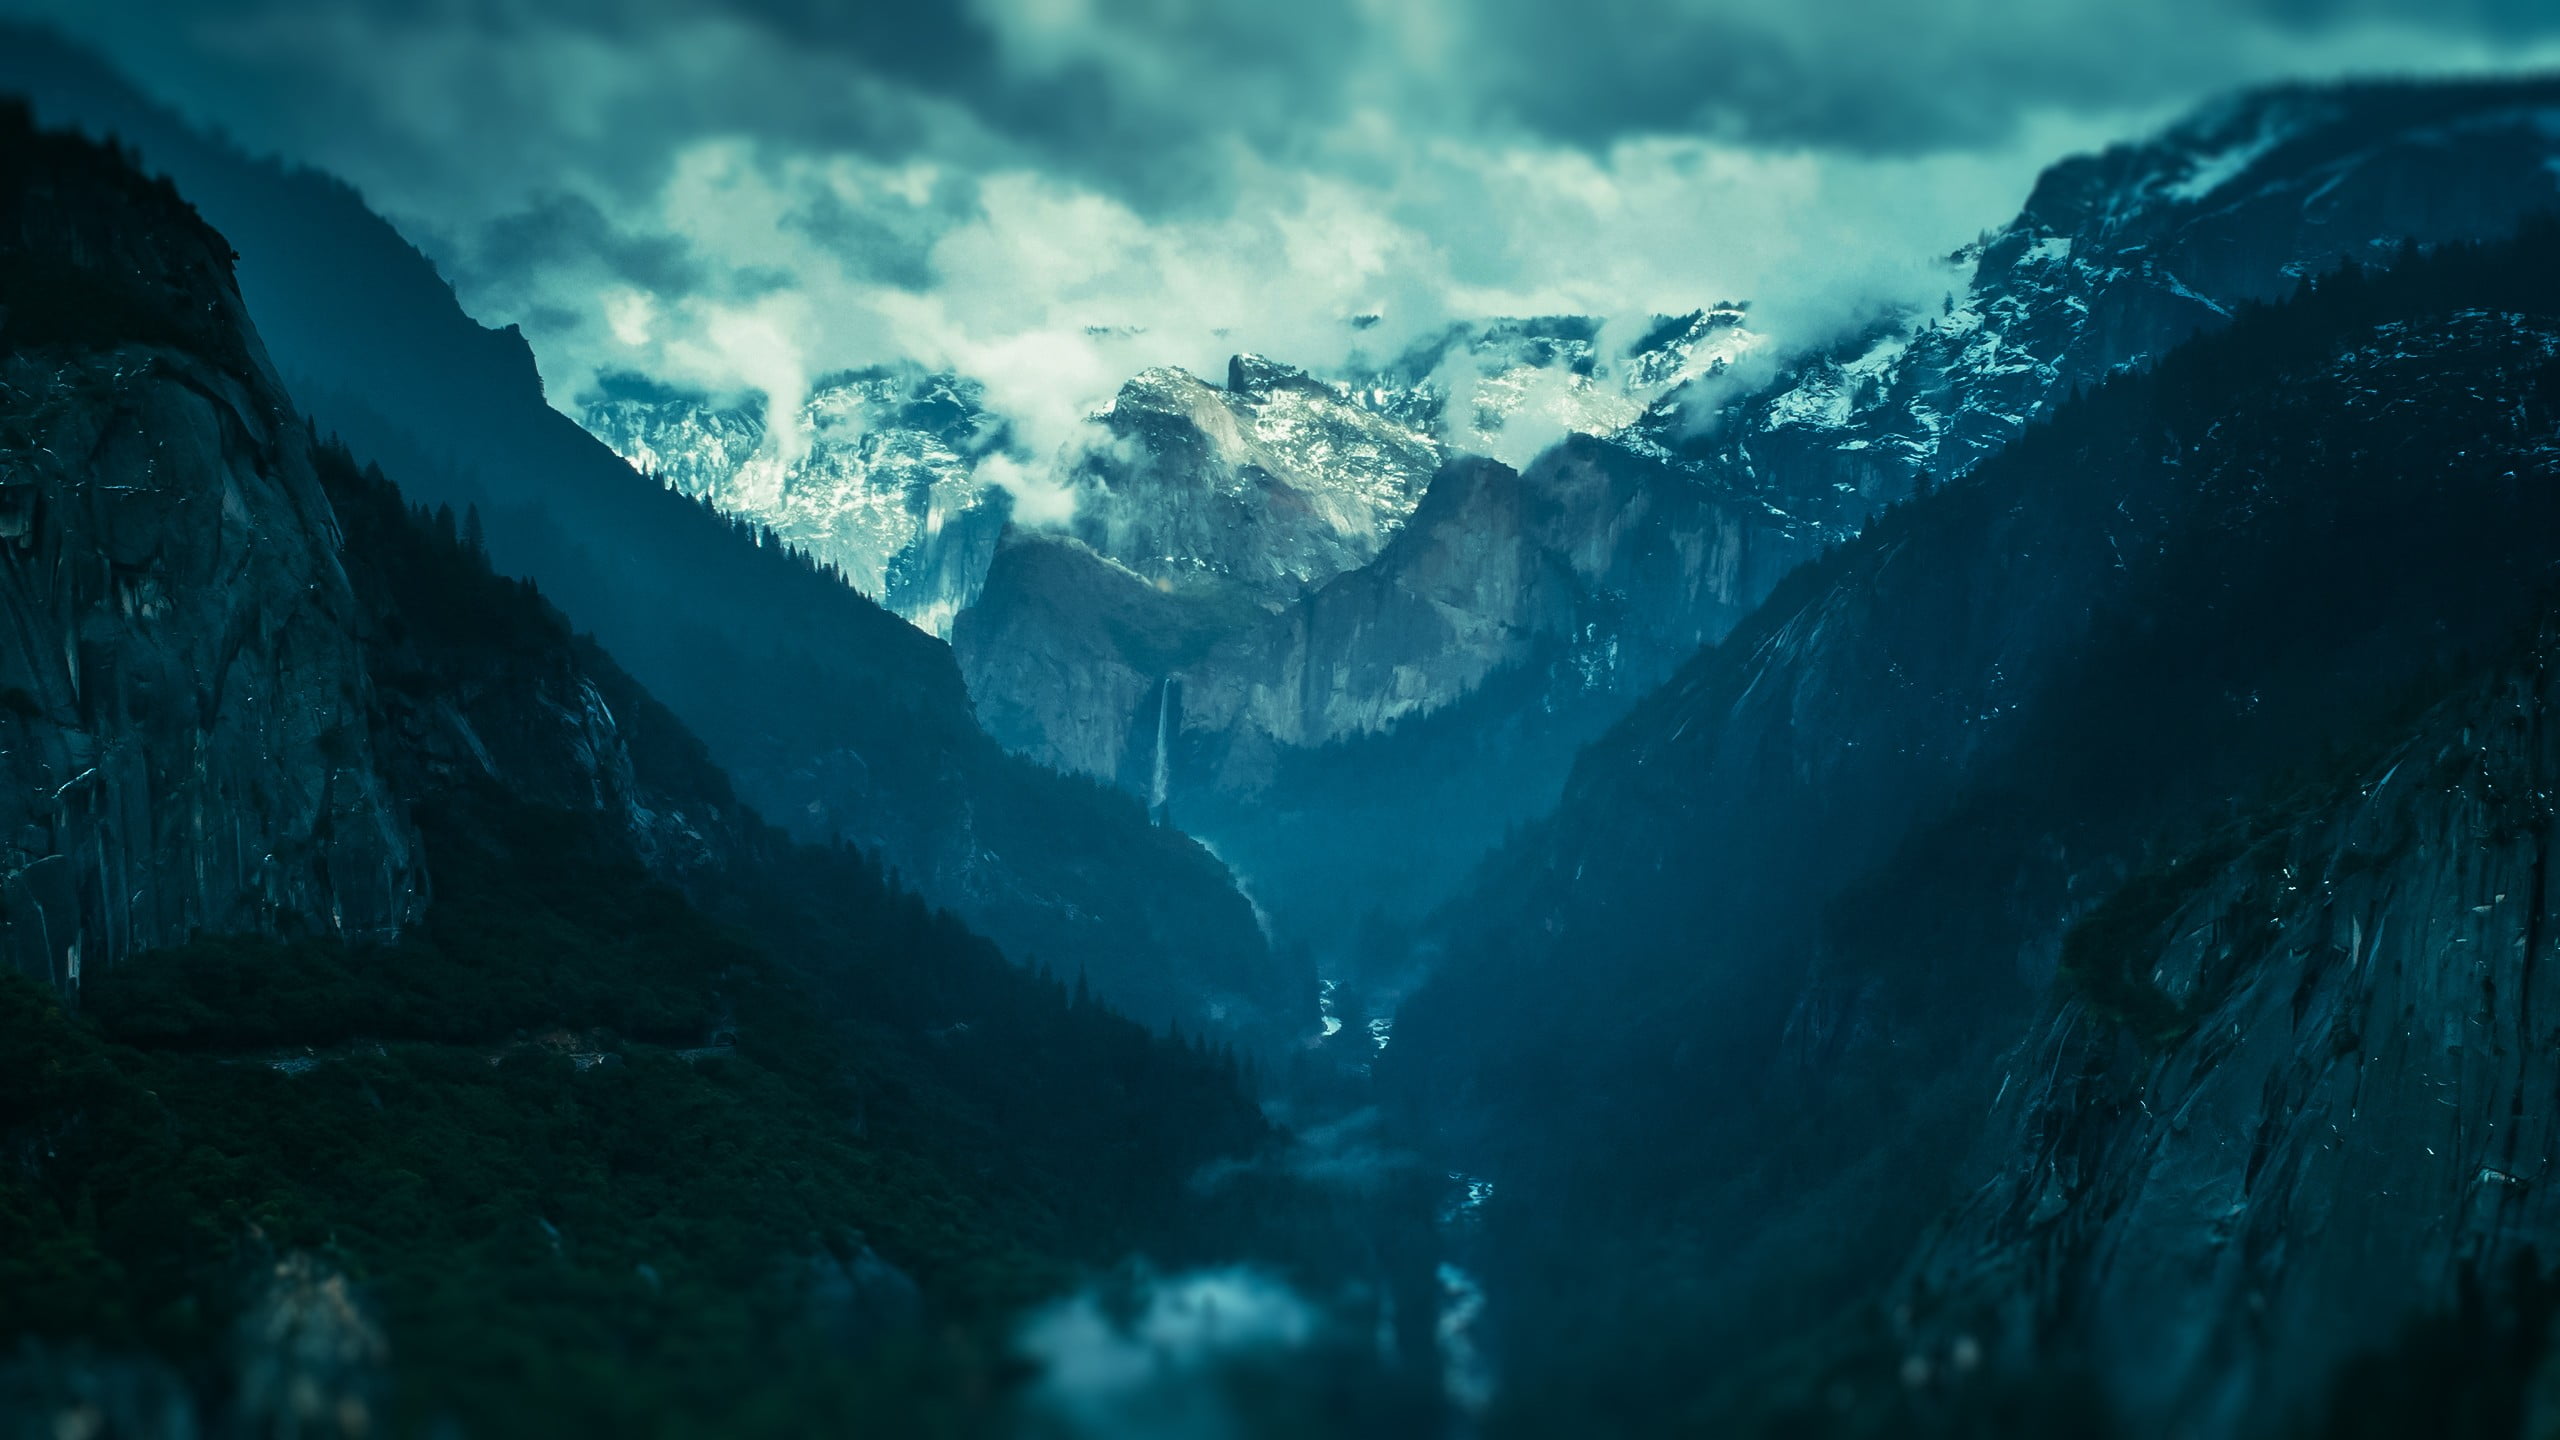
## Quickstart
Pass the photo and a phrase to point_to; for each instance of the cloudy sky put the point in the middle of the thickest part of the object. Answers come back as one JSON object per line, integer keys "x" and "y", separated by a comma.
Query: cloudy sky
{"x": 1051, "y": 194}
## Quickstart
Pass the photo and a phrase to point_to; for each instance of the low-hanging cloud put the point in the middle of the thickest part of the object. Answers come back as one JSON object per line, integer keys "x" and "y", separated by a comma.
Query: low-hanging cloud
{"x": 1152, "y": 1360}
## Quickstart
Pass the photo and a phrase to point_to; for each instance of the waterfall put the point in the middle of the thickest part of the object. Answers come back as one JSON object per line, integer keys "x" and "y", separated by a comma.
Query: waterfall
{"x": 1164, "y": 725}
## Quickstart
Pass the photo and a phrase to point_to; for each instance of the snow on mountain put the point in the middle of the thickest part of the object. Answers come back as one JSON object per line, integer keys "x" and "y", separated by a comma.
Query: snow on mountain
{"x": 881, "y": 480}
{"x": 1275, "y": 480}
{"x": 1509, "y": 388}
{"x": 2115, "y": 259}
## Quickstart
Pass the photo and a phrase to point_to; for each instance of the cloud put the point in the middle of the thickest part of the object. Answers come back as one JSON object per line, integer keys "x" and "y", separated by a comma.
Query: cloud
{"x": 1053, "y": 194}
{"x": 1891, "y": 79}
{"x": 1052, "y": 293}
{"x": 1151, "y": 1360}
{"x": 1143, "y": 97}
{"x": 1042, "y": 496}
{"x": 556, "y": 230}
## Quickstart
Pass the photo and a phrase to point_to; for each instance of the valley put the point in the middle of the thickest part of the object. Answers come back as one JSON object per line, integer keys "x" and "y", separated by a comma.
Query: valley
{"x": 1979, "y": 872}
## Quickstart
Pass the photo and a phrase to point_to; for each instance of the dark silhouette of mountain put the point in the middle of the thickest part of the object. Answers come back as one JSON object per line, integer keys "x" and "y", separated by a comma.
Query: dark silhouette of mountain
{"x": 833, "y": 716}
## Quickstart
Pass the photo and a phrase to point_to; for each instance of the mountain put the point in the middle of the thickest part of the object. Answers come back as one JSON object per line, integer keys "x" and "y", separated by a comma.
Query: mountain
{"x": 884, "y": 487}
{"x": 1277, "y": 569}
{"x": 830, "y": 713}
{"x": 1534, "y": 617}
{"x": 1203, "y": 516}
{"x": 1235, "y": 498}
{"x": 2115, "y": 258}
{"x": 1799, "y": 906}
{"x": 1505, "y": 388}
{"x": 180, "y": 647}
{"x": 1295, "y": 492}
{"x": 1274, "y": 482}
{"x": 876, "y": 471}
{"x": 2319, "y": 1098}
{"x": 406, "y": 1026}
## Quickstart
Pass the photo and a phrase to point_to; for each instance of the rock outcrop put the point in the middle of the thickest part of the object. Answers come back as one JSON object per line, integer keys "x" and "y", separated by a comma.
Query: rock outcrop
{"x": 184, "y": 705}
{"x": 2295, "y": 1094}
{"x": 1276, "y": 482}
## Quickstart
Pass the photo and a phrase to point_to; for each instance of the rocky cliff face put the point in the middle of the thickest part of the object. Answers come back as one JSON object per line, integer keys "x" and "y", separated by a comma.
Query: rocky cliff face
{"x": 236, "y": 659}
{"x": 183, "y": 703}
{"x": 1277, "y": 478}
{"x": 1206, "y": 520}
{"x": 1496, "y": 567}
{"x": 1238, "y": 500}
{"x": 2297, "y": 1092}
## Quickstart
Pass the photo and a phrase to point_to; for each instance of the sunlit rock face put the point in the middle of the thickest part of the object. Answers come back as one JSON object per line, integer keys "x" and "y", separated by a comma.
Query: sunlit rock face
{"x": 183, "y": 696}
{"x": 876, "y": 475}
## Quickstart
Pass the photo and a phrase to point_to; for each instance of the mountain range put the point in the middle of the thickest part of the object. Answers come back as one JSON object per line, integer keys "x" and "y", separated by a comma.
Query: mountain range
{"x": 1985, "y": 876}
{"x": 1263, "y": 579}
